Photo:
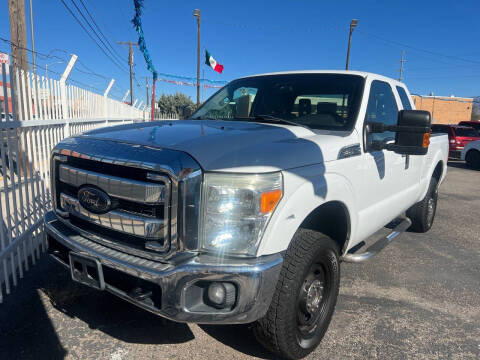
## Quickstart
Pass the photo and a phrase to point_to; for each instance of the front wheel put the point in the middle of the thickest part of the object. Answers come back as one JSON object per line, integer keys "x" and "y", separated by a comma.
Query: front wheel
{"x": 305, "y": 297}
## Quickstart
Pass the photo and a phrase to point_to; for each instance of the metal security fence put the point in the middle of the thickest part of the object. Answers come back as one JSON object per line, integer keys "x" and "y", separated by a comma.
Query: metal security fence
{"x": 164, "y": 116}
{"x": 36, "y": 115}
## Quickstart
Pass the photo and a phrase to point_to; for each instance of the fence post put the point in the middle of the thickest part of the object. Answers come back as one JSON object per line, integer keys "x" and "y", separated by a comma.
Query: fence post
{"x": 105, "y": 98}
{"x": 63, "y": 90}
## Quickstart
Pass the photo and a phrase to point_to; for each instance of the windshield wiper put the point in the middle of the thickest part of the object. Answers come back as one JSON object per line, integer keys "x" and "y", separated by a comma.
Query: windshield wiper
{"x": 271, "y": 119}
{"x": 204, "y": 118}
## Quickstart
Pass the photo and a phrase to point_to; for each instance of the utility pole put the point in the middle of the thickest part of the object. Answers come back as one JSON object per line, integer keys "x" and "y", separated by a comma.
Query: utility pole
{"x": 353, "y": 25}
{"x": 18, "y": 34}
{"x": 402, "y": 61}
{"x": 146, "y": 84}
{"x": 196, "y": 13}
{"x": 32, "y": 36}
{"x": 130, "y": 63}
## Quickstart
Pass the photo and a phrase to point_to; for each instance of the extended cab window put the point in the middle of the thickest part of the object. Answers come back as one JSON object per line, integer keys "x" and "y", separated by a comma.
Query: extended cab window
{"x": 319, "y": 101}
{"x": 382, "y": 107}
{"x": 404, "y": 98}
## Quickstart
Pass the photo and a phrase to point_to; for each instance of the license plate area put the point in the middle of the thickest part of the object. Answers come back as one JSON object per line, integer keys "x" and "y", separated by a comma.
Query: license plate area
{"x": 86, "y": 270}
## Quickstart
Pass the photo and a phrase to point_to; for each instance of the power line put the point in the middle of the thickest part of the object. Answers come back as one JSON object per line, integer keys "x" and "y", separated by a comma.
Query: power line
{"x": 98, "y": 28}
{"x": 35, "y": 52}
{"x": 338, "y": 27}
{"x": 45, "y": 56}
{"x": 69, "y": 79}
{"x": 91, "y": 72}
{"x": 93, "y": 30}
{"x": 434, "y": 53}
{"x": 91, "y": 37}
{"x": 444, "y": 77}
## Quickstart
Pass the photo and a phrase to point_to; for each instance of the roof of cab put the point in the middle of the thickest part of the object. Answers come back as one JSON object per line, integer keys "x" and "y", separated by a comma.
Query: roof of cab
{"x": 344, "y": 72}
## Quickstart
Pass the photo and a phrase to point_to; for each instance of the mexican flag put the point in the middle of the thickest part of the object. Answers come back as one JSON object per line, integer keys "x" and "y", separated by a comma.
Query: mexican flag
{"x": 210, "y": 61}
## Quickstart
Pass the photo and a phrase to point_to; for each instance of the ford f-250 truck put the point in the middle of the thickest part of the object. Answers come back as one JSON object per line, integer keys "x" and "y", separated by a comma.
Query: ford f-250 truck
{"x": 243, "y": 212}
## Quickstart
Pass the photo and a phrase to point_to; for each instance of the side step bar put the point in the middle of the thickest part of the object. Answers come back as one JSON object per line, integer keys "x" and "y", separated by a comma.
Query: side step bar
{"x": 402, "y": 224}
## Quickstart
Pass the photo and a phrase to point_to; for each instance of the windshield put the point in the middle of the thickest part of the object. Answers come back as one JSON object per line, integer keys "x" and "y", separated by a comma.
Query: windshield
{"x": 469, "y": 132}
{"x": 319, "y": 101}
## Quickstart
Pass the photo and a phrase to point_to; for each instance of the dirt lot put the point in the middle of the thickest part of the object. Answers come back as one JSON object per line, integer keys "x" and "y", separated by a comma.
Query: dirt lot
{"x": 419, "y": 299}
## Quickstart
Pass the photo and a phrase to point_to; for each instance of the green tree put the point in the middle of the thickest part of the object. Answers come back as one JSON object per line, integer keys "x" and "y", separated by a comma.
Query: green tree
{"x": 173, "y": 103}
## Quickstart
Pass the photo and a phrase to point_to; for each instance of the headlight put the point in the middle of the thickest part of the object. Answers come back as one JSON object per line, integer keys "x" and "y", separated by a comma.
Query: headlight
{"x": 236, "y": 209}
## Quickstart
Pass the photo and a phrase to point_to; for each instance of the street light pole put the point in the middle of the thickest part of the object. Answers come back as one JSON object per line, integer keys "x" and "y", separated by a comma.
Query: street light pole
{"x": 353, "y": 24}
{"x": 196, "y": 13}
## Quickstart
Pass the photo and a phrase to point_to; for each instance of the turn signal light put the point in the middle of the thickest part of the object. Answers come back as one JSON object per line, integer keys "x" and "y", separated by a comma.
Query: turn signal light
{"x": 269, "y": 200}
{"x": 426, "y": 140}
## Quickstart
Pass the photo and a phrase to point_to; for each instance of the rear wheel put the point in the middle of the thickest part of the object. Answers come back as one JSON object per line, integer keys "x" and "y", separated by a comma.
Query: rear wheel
{"x": 423, "y": 213}
{"x": 305, "y": 297}
{"x": 473, "y": 159}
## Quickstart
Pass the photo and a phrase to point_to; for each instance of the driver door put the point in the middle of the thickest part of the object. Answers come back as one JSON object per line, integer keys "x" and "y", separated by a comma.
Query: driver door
{"x": 389, "y": 181}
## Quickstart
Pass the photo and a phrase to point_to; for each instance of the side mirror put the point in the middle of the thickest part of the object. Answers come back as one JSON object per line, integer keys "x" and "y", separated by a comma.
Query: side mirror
{"x": 412, "y": 132}
{"x": 414, "y": 136}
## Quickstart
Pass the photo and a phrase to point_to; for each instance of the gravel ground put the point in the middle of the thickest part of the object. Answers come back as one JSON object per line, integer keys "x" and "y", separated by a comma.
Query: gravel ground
{"x": 418, "y": 299}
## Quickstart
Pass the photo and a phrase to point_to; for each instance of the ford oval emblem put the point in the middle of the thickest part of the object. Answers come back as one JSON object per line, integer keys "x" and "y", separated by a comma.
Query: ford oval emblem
{"x": 94, "y": 200}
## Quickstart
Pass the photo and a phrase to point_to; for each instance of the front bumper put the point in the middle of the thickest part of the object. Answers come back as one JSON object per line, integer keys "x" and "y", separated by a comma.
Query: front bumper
{"x": 255, "y": 279}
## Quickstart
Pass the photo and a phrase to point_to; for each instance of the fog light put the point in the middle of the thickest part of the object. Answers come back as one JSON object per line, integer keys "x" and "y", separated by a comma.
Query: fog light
{"x": 221, "y": 295}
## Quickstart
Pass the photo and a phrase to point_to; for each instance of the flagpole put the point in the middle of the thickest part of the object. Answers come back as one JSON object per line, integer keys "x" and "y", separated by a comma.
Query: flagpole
{"x": 153, "y": 99}
{"x": 203, "y": 91}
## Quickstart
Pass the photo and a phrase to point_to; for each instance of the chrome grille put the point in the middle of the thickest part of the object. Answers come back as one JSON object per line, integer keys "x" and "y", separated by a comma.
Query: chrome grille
{"x": 127, "y": 189}
{"x": 139, "y": 219}
{"x": 121, "y": 221}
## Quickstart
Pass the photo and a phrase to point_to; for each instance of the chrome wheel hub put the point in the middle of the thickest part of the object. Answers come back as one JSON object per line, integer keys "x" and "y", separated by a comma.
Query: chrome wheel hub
{"x": 314, "y": 296}
{"x": 431, "y": 208}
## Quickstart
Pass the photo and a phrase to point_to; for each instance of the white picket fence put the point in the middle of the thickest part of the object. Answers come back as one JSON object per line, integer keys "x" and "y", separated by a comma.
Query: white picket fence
{"x": 41, "y": 114}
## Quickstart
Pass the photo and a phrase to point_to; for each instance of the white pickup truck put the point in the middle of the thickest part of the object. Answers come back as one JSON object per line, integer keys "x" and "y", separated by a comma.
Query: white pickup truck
{"x": 244, "y": 212}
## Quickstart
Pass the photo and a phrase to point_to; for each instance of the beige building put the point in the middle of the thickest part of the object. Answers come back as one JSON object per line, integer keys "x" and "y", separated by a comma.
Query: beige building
{"x": 445, "y": 109}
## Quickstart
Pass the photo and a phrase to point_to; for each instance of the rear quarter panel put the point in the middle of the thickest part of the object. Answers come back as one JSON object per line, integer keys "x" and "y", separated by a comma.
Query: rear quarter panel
{"x": 437, "y": 152}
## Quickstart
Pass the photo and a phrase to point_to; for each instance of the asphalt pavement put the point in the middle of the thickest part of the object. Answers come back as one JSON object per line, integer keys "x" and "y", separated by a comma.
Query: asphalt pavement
{"x": 418, "y": 299}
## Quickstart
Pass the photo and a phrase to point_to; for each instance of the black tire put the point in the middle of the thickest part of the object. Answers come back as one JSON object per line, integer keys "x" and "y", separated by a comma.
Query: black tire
{"x": 473, "y": 159}
{"x": 423, "y": 213}
{"x": 305, "y": 297}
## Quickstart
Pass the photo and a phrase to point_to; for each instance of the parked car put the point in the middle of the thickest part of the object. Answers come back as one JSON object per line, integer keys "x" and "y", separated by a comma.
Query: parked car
{"x": 458, "y": 137}
{"x": 471, "y": 154}
{"x": 244, "y": 212}
{"x": 473, "y": 124}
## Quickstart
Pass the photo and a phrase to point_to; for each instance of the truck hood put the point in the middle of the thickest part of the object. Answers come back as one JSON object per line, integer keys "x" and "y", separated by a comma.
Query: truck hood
{"x": 234, "y": 146}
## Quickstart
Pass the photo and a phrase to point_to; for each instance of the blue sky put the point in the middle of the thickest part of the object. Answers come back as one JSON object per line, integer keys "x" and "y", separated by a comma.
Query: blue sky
{"x": 441, "y": 40}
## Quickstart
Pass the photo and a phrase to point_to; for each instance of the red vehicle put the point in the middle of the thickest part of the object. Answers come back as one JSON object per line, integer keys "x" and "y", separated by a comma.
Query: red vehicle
{"x": 458, "y": 137}
{"x": 474, "y": 124}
